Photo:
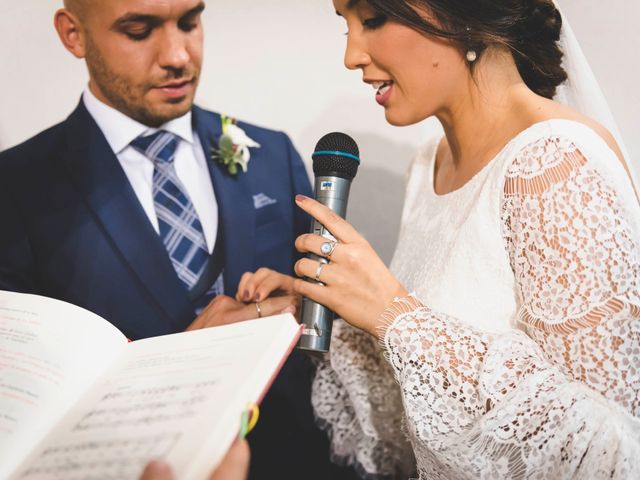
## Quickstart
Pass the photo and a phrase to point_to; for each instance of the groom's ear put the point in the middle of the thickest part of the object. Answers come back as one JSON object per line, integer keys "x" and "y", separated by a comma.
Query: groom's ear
{"x": 71, "y": 32}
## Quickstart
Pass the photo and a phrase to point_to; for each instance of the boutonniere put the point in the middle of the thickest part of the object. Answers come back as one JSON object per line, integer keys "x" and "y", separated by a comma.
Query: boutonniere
{"x": 233, "y": 146}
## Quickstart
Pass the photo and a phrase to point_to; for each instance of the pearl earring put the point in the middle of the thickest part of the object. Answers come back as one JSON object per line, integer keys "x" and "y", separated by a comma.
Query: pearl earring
{"x": 472, "y": 55}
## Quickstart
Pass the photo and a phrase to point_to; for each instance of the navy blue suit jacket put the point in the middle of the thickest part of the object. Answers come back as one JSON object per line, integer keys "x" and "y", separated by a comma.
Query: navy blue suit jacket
{"x": 76, "y": 230}
{"x": 73, "y": 229}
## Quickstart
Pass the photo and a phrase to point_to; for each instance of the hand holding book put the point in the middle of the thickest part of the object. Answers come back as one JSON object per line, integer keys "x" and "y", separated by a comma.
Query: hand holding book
{"x": 234, "y": 466}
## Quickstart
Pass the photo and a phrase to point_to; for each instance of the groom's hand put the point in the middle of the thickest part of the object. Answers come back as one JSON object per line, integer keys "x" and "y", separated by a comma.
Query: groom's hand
{"x": 225, "y": 310}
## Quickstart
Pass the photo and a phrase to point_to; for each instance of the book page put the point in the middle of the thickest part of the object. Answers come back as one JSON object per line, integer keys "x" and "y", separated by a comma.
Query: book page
{"x": 50, "y": 353}
{"x": 178, "y": 397}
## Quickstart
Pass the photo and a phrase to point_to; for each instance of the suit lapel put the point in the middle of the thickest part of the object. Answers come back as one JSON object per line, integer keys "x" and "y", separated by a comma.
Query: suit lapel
{"x": 98, "y": 175}
{"x": 235, "y": 204}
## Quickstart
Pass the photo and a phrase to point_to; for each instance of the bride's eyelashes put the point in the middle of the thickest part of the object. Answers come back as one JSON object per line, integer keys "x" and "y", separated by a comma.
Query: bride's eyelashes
{"x": 374, "y": 22}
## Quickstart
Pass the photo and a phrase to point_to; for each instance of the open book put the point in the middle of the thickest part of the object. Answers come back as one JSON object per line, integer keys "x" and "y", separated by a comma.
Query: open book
{"x": 78, "y": 401}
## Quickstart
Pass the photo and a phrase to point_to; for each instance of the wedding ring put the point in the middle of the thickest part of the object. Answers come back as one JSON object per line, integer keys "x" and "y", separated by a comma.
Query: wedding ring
{"x": 319, "y": 271}
{"x": 258, "y": 309}
{"x": 327, "y": 248}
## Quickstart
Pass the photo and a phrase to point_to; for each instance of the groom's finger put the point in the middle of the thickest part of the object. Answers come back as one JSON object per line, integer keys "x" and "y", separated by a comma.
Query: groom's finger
{"x": 338, "y": 227}
{"x": 275, "y": 305}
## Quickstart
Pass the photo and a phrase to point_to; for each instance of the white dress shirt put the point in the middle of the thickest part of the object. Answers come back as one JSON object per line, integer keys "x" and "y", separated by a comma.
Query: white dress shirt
{"x": 190, "y": 162}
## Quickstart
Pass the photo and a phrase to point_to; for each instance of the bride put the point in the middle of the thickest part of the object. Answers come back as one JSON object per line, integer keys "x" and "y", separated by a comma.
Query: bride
{"x": 504, "y": 342}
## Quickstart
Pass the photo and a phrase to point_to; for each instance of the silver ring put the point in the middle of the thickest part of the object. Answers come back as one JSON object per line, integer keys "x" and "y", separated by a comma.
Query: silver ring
{"x": 258, "y": 309}
{"x": 319, "y": 271}
{"x": 327, "y": 248}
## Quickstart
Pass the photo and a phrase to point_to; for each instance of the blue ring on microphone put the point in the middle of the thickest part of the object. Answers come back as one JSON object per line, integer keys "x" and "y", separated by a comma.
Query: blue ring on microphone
{"x": 338, "y": 153}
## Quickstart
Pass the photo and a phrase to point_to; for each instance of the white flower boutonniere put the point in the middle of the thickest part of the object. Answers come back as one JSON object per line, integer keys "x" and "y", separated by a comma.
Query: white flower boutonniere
{"x": 233, "y": 147}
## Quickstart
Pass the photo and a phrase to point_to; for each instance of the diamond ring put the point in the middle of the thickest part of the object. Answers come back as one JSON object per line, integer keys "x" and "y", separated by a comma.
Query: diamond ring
{"x": 327, "y": 248}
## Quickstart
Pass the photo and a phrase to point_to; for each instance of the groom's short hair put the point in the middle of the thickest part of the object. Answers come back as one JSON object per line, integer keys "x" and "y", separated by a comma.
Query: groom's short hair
{"x": 78, "y": 7}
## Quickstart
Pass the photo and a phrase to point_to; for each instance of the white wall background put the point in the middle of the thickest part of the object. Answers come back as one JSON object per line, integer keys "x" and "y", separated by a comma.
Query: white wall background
{"x": 278, "y": 63}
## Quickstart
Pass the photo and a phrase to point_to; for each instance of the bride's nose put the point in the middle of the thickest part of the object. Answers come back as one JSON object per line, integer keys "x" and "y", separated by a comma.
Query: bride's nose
{"x": 355, "y": 55}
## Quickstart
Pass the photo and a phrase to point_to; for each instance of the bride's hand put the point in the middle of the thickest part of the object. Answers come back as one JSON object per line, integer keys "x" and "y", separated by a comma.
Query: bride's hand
{"x": 265, "y": 283}
{"x": 357, "y": 284}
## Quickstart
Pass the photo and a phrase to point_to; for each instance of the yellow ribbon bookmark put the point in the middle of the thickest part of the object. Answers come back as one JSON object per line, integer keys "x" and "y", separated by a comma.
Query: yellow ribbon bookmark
{"x": 249, "y": 419}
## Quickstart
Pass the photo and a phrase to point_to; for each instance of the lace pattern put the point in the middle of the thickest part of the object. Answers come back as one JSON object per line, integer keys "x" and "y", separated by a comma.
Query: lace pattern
{"x": 560, "y": 399}
{"x": 516, "y": 417}
{"x": 365, "y": 416}
{"x": 577, "y": 264}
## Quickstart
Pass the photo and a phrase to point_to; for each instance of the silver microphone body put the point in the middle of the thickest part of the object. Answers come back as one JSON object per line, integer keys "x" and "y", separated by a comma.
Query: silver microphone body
{"x": 317, "y": 319}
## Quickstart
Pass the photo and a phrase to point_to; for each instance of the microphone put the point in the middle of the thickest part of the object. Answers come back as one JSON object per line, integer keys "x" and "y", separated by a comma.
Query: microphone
{"x": 335, "y": 164}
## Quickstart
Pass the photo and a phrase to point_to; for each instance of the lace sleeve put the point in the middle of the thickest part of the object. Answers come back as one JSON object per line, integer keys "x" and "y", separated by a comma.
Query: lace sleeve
{"x": 357, "y": 400}
{"x": 561, "y": 400}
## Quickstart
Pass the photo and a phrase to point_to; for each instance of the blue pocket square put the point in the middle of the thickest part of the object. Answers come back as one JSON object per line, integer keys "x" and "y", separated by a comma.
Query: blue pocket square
{"x": 261, "y": 200}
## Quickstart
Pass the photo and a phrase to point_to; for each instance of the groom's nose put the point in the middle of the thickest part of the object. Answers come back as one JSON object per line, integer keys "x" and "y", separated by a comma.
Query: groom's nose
{"x": 173, "y": 52}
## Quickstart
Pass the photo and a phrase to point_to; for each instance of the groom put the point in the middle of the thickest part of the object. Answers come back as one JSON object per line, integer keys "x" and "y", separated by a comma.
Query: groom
{"x": 120, "y": 209}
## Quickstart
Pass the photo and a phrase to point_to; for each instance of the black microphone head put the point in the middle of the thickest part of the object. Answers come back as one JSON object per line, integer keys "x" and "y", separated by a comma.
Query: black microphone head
{"x": 336, "y": 155}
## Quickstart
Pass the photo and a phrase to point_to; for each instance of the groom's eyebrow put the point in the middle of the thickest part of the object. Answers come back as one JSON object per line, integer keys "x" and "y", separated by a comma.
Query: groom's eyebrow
{"x": 135, "y": 18}
{"x": 151, "y": 20}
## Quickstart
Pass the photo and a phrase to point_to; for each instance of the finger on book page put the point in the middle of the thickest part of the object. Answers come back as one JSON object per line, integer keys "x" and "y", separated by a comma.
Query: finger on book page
{"x": 235, "y": 465}
{"x": 157, "y": 470}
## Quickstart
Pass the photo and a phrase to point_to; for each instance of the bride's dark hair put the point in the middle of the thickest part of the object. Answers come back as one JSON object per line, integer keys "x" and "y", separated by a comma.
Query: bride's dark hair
{"x": 530, "y": 29}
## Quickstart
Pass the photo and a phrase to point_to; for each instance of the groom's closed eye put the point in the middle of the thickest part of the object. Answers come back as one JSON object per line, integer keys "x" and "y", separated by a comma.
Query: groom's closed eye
{"x": 136, "y": 27}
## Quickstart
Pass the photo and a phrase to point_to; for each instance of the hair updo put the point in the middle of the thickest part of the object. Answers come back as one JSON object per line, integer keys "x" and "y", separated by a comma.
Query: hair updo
{"x": 530, "y": 29}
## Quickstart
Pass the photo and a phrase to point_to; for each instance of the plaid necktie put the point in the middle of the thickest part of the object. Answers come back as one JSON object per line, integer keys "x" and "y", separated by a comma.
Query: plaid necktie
{"x": 180, "y": 228}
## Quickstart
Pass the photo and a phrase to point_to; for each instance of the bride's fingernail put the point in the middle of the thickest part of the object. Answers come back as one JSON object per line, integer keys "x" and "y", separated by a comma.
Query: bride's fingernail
{"x": 246, "y": 296}
{"x": 301, "y": 198}
{"x": 257, "y": 297}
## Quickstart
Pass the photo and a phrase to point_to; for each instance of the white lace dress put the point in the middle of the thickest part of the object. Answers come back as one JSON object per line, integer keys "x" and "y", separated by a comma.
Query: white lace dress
{"x": 518, "y": 355}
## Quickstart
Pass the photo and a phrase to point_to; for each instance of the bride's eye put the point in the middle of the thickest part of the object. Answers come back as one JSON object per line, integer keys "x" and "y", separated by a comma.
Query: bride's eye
{"x": 374, "y": 22}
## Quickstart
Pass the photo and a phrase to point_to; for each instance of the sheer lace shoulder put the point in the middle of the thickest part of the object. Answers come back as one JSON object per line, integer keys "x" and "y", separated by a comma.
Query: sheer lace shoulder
{"x": 575, "y": 255}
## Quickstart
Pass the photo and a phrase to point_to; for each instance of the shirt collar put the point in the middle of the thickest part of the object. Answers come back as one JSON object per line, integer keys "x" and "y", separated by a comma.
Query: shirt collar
{"x": 120, "y": 130}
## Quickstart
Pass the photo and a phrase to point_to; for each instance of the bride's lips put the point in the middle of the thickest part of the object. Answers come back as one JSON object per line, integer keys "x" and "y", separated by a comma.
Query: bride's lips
{"x": 384, "y": 89}
{"x": 175, "y": 89}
